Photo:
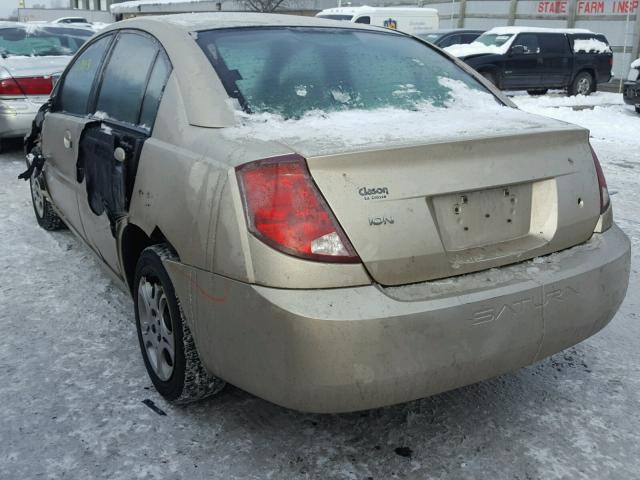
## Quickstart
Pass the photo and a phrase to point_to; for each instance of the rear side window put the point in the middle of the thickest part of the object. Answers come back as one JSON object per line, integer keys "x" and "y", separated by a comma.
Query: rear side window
{"x": 365, "y": 20}
{"x": 125, "y": 77}
{"x": 73, "y": 97}
{"x": 553, "y": 43}
{"x": 589, "y": 43}
{"x": 155, "y": 89}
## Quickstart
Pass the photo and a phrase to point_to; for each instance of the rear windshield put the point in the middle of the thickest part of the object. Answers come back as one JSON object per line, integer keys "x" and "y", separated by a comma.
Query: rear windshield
{"x": 291, "y": 71}
{"x": 40, "y": 41}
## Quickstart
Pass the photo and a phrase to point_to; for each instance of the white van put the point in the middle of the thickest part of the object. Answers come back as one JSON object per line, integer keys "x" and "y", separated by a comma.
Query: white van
{"x": 409, "y": 20}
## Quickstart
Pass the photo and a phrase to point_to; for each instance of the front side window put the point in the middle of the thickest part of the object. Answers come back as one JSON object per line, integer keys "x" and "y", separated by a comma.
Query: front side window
{"x": 292, "y": 71}
{"x": 73, "y": 96}
{"x": 529, "y": 41}
{"x": 365, "y": 20}
{"x": 124, "y": 80}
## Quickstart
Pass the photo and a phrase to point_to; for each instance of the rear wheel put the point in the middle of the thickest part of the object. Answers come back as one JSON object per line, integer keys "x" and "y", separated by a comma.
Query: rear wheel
{"x": 582, "y": 84}
{"x": 539, "y": 91}
{"x": 637, "y": 109}
{"x": 45, "y": 215}
{"x": 166, "y": 342}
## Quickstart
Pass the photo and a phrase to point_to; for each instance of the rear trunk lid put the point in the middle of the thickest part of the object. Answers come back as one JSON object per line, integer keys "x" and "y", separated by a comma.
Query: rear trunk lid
{"x": 35, "y": 66}
{"x": 462, "y": 204}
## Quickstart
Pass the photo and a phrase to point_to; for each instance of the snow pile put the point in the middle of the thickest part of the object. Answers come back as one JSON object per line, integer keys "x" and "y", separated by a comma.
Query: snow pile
{"x": 562, "y": 100}
{"x": 344, "y": 130}
{"x": 478, "y": 48}
{"x": 609, "y": 114}
{"x": 592, "y": 45}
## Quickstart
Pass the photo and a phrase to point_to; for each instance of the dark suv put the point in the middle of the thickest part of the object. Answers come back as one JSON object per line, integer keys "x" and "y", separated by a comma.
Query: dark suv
{"x": 632, "y": 86}
{"x": 537, "y": 59}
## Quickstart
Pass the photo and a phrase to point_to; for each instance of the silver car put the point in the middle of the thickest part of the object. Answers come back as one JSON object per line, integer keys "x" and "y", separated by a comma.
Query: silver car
{"x": 331, "y": 216}
{"x": 31, "y": 55}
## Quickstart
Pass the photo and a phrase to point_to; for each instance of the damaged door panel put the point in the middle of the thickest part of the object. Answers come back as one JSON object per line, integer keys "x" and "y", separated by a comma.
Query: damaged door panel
{"x": 124, "y": 110}
{"x": 107, "y": 164}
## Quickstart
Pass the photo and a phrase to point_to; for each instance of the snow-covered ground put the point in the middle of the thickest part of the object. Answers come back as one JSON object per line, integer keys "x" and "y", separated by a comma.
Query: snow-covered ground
{"x": 72, "y": 380}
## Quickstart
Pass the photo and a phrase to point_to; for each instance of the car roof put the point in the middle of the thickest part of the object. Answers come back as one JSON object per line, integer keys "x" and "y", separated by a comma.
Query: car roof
{"x": 193, "y": 22}
{"x": 518, "y": 29}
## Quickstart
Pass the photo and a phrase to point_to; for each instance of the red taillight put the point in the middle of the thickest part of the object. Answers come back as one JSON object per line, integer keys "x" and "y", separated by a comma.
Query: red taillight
{"x": 285, "y": 210}
{"x": 602, "y": 183}
{"x": 8, "y": 86}
{"x": 26, "y": 86}
{"x": 35, "y": 85}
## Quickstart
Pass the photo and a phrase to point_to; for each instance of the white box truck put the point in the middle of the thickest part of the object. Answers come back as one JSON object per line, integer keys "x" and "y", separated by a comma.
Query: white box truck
{"x": 410, "y": 20}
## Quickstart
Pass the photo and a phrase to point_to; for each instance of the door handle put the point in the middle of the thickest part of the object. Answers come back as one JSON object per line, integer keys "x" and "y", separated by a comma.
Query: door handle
{"x": 68, "y": 143}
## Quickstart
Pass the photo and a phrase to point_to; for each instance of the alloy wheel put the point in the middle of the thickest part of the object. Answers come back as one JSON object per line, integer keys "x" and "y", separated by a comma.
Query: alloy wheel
{"x": 37, "y": 195}
{"x": 156, "y": 327}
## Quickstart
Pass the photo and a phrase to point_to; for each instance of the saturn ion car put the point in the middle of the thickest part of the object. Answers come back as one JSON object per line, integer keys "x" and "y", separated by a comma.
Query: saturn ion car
{"x": 331, "y": 216}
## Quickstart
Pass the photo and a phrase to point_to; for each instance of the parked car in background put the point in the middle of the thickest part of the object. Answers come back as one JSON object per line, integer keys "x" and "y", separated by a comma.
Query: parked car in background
{"x": 76, "y": 21}
{"x": 80, "y": 22}
{"x": 410, "y": 20}
{"x": 323, "y": 229}
{"x": 447, "y": 38}
{"x": 632, "y": 86}
{"x": 30, "y": 57}
{"x": 539, "y": 59}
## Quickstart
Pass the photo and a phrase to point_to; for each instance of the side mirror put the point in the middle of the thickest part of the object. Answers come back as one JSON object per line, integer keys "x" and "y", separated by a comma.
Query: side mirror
{"x": 517, "y": 50}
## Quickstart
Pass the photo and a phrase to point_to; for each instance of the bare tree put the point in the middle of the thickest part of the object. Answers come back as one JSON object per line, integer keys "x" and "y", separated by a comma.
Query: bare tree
{"x": 266, "y": 6}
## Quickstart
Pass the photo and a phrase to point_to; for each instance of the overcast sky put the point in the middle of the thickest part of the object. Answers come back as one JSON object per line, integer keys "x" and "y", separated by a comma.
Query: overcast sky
{"x": 8, "y": 6}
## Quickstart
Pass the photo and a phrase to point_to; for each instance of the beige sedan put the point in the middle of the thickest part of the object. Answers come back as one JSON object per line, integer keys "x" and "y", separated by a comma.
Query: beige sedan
{"x": 331, "y": 216}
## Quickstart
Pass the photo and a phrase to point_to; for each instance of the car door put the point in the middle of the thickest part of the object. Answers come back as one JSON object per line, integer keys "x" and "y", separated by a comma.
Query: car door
{"x": 125, "y": 106}
{"x": 64, "y": 123}
{"x": 556, "y": 67}
{"x": 523, "y": 62}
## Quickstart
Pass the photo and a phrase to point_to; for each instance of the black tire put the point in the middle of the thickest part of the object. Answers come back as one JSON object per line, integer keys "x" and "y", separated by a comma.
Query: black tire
{"x": 637, "y": 109}
{"x": 583, "y": 84}
{"x": 491, "y": 77}
{"x": 45, "y": 215}
{"x": 189, "y": 381}
{"x": 538, "y": 91}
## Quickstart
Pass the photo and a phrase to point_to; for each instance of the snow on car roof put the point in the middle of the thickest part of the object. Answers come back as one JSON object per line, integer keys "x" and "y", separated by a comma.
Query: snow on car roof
{"x": 522, "y": 29}
{"x": 368, "y": 8}
{"x": 635, "y": 63}
{"x": 213, "y": 20}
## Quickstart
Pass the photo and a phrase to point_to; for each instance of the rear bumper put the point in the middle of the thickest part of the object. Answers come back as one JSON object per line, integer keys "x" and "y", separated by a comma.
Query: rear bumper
{"x": 631, "y": 93}
{"x": 16, "y": 116}
{"x": 340, "y": 350}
